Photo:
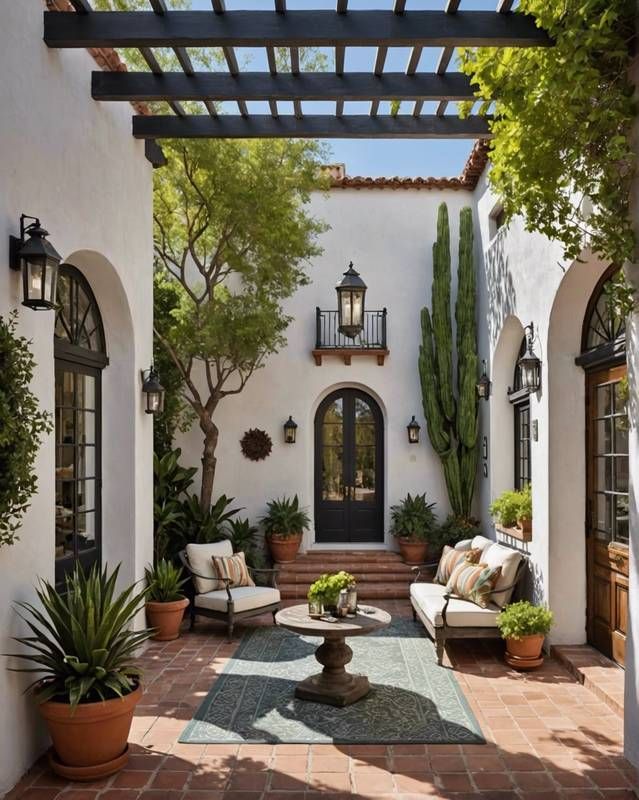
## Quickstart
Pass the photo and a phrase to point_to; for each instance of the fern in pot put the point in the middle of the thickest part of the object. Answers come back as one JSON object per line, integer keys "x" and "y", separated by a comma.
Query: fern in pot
{"x": 165, "y": 602}
{"x": 414, "y": 524}
{"x": 83, "y": 648}
{"x": 284, "y": 524}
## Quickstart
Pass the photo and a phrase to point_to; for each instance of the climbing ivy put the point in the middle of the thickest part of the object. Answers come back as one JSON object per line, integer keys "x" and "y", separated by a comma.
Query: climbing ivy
{"x": 21, "y": 427}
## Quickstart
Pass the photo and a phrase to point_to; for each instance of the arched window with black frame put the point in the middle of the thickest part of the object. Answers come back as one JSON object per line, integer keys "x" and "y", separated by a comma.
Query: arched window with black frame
{"x": 520, "y": 399}
{"x": 80, "y": 357}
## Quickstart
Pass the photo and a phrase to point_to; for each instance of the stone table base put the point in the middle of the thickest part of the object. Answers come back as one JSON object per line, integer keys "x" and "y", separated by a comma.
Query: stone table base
{"x": 334, "y": 685}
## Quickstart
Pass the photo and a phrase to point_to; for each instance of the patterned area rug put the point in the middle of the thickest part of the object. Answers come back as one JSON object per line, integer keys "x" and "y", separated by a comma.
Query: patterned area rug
{"x": 412, "y": 699}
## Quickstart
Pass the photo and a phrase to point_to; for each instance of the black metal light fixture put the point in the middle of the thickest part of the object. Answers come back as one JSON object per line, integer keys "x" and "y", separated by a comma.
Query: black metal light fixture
{"x": 38, "y": 260}
{"x": 529, "y": 364}
{"x": 153, "y": 390}
{"x": 484, "y": 384}
{"x": 413, "y": 429}
{"x": 351, "y": 293}
{"x": 290, "y": 430}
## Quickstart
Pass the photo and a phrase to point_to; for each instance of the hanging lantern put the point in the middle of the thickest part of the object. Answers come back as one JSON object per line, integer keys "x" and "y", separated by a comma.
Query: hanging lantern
{"x": 350, "y": 303}
{"x": 484, "y": 385}
{"x": 413, "y": 429}
{"x": 153, "y": 390}
{"x": 290, "y": 430}
{"x": 529, "y": 364}
{"x": 38, "y": 260}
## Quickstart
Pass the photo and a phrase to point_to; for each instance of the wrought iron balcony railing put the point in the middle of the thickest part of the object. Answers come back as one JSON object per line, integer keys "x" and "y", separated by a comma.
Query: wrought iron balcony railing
{"x": 371, "y": 341}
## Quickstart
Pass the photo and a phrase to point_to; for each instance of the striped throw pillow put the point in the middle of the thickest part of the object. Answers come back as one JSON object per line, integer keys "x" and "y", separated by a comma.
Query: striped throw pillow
{"x": 452, "y": 558}
{"x": 473, "y": 582}
{"x": 233, "y": 567}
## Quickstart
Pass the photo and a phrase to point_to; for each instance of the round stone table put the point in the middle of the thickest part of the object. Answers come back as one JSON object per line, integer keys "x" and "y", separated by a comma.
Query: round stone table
{"x": 333, "y": 685}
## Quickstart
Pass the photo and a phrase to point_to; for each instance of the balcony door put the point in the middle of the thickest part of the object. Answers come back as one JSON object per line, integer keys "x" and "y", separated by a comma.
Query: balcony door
{"x": 349, "y": 469}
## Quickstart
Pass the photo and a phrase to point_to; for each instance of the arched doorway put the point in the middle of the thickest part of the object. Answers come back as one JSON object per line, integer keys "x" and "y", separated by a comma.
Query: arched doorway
{"x": 80, "y": 357}
{"x": 349, "y": 469}
{"x": 607, "y": 507}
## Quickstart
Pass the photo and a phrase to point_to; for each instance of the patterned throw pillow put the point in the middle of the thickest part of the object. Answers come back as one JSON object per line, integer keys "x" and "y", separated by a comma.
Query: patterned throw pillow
{"x": 452, "y": 558}
{"x": 473, "y": 582}
{"x": 233, "y": 567}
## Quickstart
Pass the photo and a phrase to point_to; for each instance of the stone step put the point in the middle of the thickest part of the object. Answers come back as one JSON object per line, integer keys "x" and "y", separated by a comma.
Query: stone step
{"x": 345, "y": 555}
{"x": 374, "y": 576}
{"x": 350, "y": 565}
{"x": 378, "y": 591}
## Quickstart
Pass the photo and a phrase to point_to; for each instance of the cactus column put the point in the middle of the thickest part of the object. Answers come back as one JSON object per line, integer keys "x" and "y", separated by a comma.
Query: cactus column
{"x": 452, "y": 420}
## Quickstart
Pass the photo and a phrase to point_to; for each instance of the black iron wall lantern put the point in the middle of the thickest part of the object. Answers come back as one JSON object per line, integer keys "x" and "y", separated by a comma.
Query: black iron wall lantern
{"x": 351, "y": 293}
{"x": 153, "y": 390}
{"x": 38, "y": 260}
{"x": 529, "y": 364}
{"x": 290, "y": 430}
{"x": 413, "y": 429}
{"x": 484, "y": 384}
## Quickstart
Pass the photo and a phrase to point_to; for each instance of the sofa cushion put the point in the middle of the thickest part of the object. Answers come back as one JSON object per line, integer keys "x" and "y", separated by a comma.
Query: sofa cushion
{"x": 429, "y": 597}
{"x": 481, "y": 542}
{"x": 234, "y": 568}
{"x": 474, "y": 582}
{"x": 498, "y": 555}
{"x": 451, "y": 558}
{"x": 245, "y": 598}
{"x": 200, "y": 558}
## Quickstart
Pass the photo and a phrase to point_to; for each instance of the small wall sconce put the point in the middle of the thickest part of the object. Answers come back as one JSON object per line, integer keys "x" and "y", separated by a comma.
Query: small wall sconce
{"x": 484, "y": 384}
{"x": 529, "y": 363}
{"x": 153, "y": 390}
{"x": 413, "y": 429}
{"x": 38, "y": 260}
{"x": 290, "y": 430}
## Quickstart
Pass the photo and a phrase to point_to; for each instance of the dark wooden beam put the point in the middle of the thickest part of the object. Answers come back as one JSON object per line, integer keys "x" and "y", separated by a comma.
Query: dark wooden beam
{"x": 146, "y": 86}
{"x": 293, "y": 29}
{"x": 81, "y": 6}
{"x": 154, "y": 153}
{"x": 504, "y": 6}
{"x": 310, "y": 127}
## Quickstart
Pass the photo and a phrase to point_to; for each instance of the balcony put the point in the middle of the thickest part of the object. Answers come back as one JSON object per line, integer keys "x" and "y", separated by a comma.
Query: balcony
{"x": 330, "y": 342}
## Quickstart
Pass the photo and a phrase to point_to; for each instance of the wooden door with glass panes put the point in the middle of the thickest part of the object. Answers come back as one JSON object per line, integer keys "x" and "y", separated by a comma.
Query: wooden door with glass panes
{"x": 607, "y": 510}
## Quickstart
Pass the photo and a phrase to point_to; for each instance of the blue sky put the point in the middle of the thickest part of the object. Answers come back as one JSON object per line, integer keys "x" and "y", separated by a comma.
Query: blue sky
{"x": 372, "y": 157}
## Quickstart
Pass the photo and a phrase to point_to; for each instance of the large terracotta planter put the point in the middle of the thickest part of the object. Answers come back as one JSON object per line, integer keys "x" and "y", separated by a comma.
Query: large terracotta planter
{"x": 525, "y": 653}
{"x": 90, "y": 741}
{"x": 413, "y": 552}
{"x": 166, "y": 617}
{"x": 284, "y": 547}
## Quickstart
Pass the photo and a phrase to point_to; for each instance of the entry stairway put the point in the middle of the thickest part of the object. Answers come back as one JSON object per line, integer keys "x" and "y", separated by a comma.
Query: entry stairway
{"x": 380, "y": 574}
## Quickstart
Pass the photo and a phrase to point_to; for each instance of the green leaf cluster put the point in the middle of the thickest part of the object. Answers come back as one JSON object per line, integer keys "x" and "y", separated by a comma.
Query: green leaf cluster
{"x": 512, "y": 506}
{"x": 244, "y": 539}
{"x": 524, "y": 619}
{"x": 285, "y": 517}
{"x": 563, "y": 117}
{"x": 454, "y": 529}
{"x": 82, "y": 645}
{"x": 327, "y": 587}
{"x": 414, "y": 518}
{"x": 164, "y": 582}
{"x": 22, "y": 425}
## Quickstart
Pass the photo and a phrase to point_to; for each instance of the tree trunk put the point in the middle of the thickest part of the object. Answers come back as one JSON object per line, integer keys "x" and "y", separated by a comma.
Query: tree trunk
{"x": 209, "y": 463}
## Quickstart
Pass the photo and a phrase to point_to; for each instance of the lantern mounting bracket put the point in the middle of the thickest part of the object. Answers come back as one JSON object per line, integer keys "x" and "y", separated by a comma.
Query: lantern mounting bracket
{"x": 16, "y": 242}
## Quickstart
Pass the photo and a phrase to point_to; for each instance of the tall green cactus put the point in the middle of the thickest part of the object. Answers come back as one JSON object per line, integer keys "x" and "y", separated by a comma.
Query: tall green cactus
{"x": 452, "y": 421}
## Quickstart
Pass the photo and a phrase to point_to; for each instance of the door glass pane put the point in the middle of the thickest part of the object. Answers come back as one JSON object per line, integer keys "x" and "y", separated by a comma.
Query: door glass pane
{"x": 621, "y": 434}
{"x": 86, "y": 391}
{"x": 621, "y": 474}
{"x": 604, "y": 400}
{"x": 603, "y": 516}
{"x": 63, "y": 532}
{"x": 86, "y": 427}
{"x": 332, "y": 473}
{"x": 86, "y": 530}
{"x": 365, "y": 474}
{"x": 604, "y": 436}
{"x": 621, "y": 519}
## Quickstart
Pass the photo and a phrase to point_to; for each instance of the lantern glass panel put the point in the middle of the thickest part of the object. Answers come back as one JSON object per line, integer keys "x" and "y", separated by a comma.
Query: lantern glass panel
{"x": 357, "y": 308}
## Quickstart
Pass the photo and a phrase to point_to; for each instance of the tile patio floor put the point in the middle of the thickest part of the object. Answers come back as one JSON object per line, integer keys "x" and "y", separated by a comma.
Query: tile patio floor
{"x": 548, "y": 737}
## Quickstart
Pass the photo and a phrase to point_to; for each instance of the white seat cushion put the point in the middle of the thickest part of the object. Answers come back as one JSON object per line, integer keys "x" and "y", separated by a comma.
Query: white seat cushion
{"x": 460, "y": 613}
{"x": 498, "y": 555}
{"x": 481, "y": 543}
{"x": 245, "y": 598}
{"x": 200, "y": 558}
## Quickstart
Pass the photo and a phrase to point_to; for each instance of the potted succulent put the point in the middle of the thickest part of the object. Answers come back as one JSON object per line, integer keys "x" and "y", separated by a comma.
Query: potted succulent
{"x": 524, "y": 626}
{"x": 284, "y": 524}
{"x": 83, "y": 646}
{"x": 165, "y": 601}
{"x": 513, "y": 508}
{"x": 414, "y": 525}
{"x": 325, "y": 590}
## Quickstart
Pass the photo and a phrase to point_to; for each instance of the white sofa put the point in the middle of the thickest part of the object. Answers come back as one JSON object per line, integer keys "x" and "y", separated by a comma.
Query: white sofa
{"x": 446, "y": 616}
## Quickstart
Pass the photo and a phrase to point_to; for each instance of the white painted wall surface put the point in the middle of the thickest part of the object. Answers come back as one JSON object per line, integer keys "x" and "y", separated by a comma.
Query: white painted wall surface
{"x": 75, "y": 164}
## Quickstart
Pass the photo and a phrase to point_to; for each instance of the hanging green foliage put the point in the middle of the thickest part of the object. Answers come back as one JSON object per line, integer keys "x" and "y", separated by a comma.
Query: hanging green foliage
{"x": 22, "y": 425}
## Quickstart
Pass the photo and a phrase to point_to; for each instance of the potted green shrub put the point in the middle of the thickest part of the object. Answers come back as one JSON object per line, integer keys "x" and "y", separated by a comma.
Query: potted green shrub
{"x": 165, "y": 601}
{"x": 325, "y": 590}
{"x": 83, "y": 646}
{"x": 524, "y": 626}
{"x": 513, "y": 508}
{"x": 524, "y": 509}
{"x": 284, "y": 524}
{"x": 414, "y": 525}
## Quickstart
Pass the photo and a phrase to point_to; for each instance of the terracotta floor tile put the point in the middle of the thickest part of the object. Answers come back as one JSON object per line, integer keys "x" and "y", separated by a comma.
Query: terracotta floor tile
{"x": 40, "y": 793}
{"x": 609, "y": 779}
{"x": 529, "y": 781}
{"x": 168, "y": 779}
{"x": 455, "y": 781}
{"x": 367, "y": 783}
{"x": 131, "y": 779}
{"x": 492, "y": 780}
{"x": 418, "y": 763}
{"x": 329, "y": 763}
{"x": 289, "y": 781}
{"x": 418, "y": 783}
{"x": 447, "y": 763}
{"x": 329, "y": 782}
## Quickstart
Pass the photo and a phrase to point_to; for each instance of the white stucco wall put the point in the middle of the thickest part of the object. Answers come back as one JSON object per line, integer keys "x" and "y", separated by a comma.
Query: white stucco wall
{"x": 75, "y": 164}
{"x": 389, "y": 236}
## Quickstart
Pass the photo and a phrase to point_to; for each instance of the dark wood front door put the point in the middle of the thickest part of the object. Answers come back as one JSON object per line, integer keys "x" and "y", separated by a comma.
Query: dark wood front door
{"x": 349, "y": 469}
{"x": 607, "y": 512}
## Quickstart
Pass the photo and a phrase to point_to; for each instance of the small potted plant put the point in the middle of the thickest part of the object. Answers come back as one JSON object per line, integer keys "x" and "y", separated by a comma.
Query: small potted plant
{"x": 524, "y": 626}
{"x": 524, "y": 510}
{"x": 284, "y": 524}
{"x": 325, "y": 590}
{"x": 514, "y": 509}
{"x": 414, "y": 525}
{"x": 165, "y": 602}
{"x": 83, "y": 646}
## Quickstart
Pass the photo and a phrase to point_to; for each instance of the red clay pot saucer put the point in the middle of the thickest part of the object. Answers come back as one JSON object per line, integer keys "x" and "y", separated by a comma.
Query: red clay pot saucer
{"x": 87, "y": 774}
{"x": 523, "y": 663}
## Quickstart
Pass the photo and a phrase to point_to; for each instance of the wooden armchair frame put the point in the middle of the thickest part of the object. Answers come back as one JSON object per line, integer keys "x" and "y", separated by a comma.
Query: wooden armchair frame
{"x": 230, "y": 616}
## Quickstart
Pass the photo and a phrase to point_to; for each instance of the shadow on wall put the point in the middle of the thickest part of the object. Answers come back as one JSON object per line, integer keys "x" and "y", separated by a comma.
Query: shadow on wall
{"x": 500, "y": 289}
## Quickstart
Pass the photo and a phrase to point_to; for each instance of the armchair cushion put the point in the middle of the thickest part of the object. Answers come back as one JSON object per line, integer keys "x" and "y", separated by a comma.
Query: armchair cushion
{"x": 200, "y": 559}
{"x": 460, "y": 613}
{"x": 245, "y": 598}
{"x": 234, "y": 568}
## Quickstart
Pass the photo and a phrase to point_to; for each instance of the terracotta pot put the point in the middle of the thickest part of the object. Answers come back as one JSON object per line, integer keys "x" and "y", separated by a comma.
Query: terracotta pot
{"x": 525, "y": 525}
{"x": 92, "y": 734}
{"x": 166, "y": 617}
{"x": 284, "y": 548}
{"x": 525, "y": 653}
{"x": 413, "y": 552}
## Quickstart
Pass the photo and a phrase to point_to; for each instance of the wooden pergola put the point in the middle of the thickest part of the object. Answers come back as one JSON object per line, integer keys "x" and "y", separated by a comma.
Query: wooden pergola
{"x": 292, "y": 29}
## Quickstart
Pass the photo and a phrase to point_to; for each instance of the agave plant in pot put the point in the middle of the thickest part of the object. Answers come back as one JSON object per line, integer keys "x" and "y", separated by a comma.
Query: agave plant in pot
{"x": 524, "y": 626}
{"x": 165, "y": 602}
{"x": 82, "y": 645}
{"x": 414, "y": 524}
{"x": 284, "y": 524}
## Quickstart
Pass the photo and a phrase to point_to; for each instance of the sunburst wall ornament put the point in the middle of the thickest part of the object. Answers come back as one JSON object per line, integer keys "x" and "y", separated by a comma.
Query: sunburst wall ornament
{"x": 256, "y": 444}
